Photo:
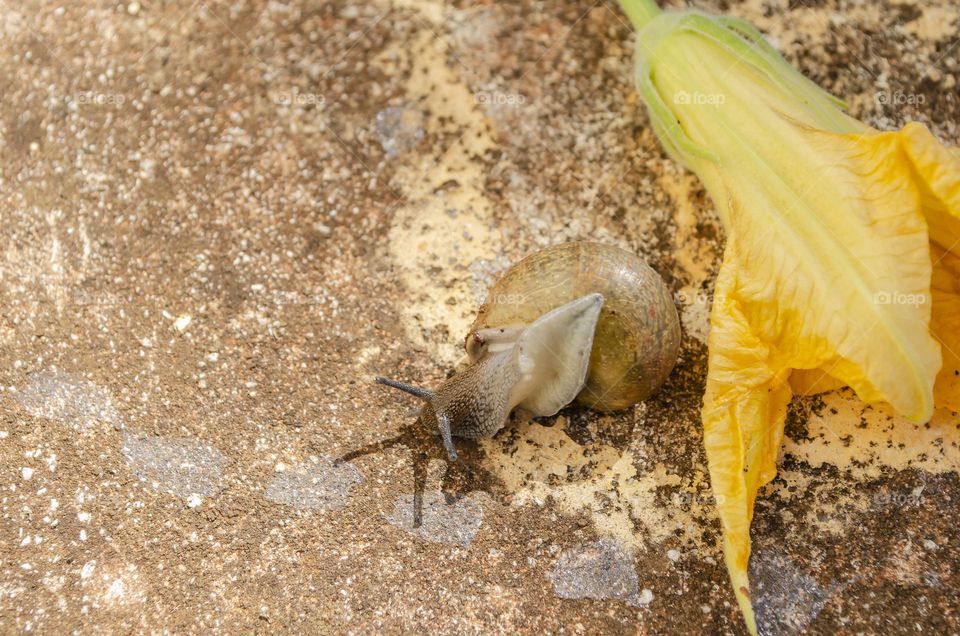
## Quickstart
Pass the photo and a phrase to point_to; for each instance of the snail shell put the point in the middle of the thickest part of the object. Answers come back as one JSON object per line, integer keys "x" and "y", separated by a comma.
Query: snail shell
{"x": 581, "y": 321}
{"x": 637, "y": 338}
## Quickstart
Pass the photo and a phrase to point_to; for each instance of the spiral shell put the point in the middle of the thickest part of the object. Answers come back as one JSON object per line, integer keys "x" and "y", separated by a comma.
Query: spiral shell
{"x": 637, "y": 338}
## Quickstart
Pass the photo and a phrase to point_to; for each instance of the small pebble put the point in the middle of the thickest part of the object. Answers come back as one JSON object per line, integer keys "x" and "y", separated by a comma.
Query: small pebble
{"x": 182, "y": 322}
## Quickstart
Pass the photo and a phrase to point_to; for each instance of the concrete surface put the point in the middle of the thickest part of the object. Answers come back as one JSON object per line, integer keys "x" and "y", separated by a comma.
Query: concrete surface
{"x": 220, "y": 220}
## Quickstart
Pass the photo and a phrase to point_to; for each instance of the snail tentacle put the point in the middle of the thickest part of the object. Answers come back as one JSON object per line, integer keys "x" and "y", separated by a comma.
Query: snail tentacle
{"x": 492, "y": 340}
{"x": 425, "y": 394}
{"x": 443, "y": 424}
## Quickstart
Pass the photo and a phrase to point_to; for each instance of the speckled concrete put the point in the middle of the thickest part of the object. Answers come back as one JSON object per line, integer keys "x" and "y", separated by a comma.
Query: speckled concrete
{"x": 221, "y": 220}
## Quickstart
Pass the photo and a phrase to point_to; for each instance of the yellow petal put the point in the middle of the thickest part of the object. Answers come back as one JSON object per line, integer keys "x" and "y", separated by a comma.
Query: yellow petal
{"x": 892, "y": 358}
{"x": 935, "y": 174}
{"x": 834, "y": 267}
{"x": 945, "y": 325}
{"x": 938, "y": 178}
{"x": 813, "y": 381}
{"x": 932, "y": 171}
{"x": 744, "y": 408}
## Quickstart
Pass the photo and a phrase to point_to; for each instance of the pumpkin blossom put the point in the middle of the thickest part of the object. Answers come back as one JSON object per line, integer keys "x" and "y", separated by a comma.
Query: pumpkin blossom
{"x": 842, "y": 257}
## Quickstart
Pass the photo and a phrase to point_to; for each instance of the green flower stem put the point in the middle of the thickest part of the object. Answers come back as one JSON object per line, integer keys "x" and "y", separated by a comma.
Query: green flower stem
{"x": 640, "y": 11}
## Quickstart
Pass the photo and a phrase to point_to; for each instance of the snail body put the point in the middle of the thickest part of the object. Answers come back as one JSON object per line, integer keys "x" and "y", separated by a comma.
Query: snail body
{"x": 582, "y": 321}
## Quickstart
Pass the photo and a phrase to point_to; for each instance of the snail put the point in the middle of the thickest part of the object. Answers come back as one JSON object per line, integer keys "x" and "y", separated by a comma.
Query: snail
{"x": 583, "y": 321}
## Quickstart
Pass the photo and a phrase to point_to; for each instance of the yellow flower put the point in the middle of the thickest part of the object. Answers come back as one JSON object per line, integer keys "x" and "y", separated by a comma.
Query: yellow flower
{"x": 842, "y": 260}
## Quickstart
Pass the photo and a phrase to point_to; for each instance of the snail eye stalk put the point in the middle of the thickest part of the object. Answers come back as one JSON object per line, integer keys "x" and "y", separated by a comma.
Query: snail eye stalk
{"x": 421, "y": 393}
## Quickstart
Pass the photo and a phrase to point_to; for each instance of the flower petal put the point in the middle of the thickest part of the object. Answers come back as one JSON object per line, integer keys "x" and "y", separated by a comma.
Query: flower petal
{"x": 813, "y": 381}
{"x": 744, "y": 409}
{"x": 935, "y": 174}
{"x": 938, "y": 178}
{"x": 878, "y": 305}
{"x": 945, "y": 325}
